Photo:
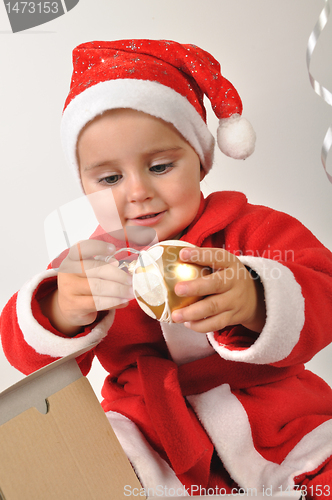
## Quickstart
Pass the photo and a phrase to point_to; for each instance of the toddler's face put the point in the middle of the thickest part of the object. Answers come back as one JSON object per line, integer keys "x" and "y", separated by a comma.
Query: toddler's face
{"x": 154, "y": 174}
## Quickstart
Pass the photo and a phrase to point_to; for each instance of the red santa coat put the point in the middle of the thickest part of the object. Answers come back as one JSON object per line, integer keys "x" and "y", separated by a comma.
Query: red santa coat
{"x": 212, "y": 410}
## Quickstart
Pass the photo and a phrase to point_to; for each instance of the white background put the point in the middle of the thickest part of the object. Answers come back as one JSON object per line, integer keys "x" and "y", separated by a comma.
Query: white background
{"x": 261, "y": 45}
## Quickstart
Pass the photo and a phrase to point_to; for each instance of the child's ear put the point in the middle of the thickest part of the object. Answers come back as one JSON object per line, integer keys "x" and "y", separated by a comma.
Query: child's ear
{"x": 202, "y": 173}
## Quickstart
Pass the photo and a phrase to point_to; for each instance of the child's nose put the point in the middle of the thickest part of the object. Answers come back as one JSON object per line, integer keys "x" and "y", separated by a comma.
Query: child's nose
{"x": 138, "y": 188}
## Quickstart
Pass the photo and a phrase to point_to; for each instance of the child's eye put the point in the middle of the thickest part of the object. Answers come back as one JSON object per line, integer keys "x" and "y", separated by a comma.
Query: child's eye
{"x": 161, "y": 169}
{"x": 110, "y": 179}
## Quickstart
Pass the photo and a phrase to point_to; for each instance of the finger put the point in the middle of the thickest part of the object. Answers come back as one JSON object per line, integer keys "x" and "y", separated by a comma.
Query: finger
{"x": 105, "y": 288}
{"x": 110, "y": 272}
{"x": 87, "y": 249}
{"x": 78, "y": 307}
{"x": 122, "y": 305}
{"x": 216, "y": 258}
{"x": 73, "y": 285}
{"x": 204, "y": 324}
{"x": 106, "y": 303}
{"x": 87, "y": 305}
{"x": 218, "y": 282}
{"x": 209, "y": 307}
{"x": 212, "y": 324}
{"x": 82, "y": 266}
{"x": 69, "y": 265}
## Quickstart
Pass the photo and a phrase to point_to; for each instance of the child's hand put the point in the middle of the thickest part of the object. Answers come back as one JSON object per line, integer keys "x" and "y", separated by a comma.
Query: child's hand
{"x": 232, "y": 296}
{"x": 87, "y": 283}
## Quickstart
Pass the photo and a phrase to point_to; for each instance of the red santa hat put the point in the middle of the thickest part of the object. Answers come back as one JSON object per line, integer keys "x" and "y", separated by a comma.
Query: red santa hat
{"x": 164, "y": 79}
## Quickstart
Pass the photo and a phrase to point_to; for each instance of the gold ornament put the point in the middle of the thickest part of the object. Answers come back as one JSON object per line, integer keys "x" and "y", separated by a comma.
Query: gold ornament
{"x": 155, "y": 275}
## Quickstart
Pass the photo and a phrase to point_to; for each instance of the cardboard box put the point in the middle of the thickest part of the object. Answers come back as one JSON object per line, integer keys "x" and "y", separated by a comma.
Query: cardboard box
{"x": 56, "y": 441}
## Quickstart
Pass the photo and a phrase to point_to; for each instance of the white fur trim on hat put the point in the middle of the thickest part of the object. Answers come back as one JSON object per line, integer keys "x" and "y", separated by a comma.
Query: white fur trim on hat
{"x": 166, "y": 104}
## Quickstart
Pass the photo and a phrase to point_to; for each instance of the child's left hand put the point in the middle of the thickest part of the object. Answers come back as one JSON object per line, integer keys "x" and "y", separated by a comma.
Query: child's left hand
{"x": 232, "y": 296}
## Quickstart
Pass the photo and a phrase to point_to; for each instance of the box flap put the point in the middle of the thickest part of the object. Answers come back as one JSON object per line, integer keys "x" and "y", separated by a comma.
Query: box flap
{"x": 33, "y": 390}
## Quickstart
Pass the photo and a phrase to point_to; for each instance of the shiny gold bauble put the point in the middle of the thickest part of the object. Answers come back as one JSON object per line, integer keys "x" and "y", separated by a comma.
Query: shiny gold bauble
{"x": 155, "y": 275}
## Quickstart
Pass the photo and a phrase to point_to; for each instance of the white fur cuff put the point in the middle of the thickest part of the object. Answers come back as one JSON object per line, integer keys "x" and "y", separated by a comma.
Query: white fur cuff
{"x": 284, "y": 311}
{"x": 44, "y": 341}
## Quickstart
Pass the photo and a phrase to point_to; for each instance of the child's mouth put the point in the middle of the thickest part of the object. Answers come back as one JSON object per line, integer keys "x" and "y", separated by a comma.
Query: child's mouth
{"x": 148, "y": 219}
{"x": 149, "y": 216}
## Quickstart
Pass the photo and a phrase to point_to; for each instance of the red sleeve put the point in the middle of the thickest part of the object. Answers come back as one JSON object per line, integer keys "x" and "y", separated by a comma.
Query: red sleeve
{"x": 296, "y": 272}
{"x": 18, "y": 352}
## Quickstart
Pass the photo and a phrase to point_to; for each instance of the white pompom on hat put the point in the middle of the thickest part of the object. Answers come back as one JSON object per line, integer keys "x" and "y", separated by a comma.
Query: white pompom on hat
{"x": 236, "y": 137}
{"x": 163, "y": 78}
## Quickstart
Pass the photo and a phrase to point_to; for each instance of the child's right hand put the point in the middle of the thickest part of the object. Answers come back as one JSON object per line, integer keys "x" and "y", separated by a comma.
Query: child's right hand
{"x": 87, "y": 283}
